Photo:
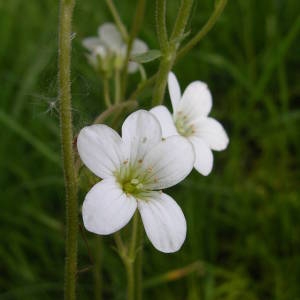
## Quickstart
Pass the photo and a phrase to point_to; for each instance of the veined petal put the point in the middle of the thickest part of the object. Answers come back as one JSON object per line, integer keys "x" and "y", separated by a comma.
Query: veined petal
{"x": 110, "y": 36}
{"x": 106, "y": 208}
{"x": 196, "y": 101}
{"x": 91, "y": 43}
{"x": 174, "y": 90}
{"x": 203, "y": 156}
{"x": 138, "y": 47}
{"x": 165, "y": 119}
{"x": 101, "y": 149}
{"x": 164, "y": 222}
{"x": 140, "y": 132}
{"x": 168, "y": 163}
{"x": 212, "y": 132}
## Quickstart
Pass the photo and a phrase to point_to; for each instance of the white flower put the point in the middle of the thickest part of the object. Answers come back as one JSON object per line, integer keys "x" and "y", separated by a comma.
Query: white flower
{"x": 134, "y": 169}
{"x": 109, "y": 49}
{"x": 190, "y": 120}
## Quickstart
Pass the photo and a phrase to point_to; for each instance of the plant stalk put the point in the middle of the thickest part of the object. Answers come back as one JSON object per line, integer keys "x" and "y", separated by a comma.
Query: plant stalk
{"x": 64, "y": 66}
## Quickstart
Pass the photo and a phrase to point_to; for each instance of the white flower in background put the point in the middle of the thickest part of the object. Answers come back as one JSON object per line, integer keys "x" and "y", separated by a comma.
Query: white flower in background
{"x": 108, "y": 50}
{"x": 190, "y": 120}
{"x": 134, "y": 169}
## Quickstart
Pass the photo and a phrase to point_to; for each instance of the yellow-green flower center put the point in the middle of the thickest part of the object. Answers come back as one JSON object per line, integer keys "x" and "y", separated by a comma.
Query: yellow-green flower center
{"x": 183, "y": 127}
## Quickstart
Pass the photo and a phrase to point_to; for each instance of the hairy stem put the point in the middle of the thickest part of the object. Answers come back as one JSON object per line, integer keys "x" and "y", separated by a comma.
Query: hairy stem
{"x": 204, "y": 30}
{"x": 136, "y": 25}
{"x": 106, "y": 92}
{"x": 64, "y": 66}
{"x": 182, "y": 19}
{"x": 169, "y": 49}
{"x": 117, "y": 87}
{"x": 117, "y": 19}
{"x": 161, "y": 27}
{"x": 139, "y": 262}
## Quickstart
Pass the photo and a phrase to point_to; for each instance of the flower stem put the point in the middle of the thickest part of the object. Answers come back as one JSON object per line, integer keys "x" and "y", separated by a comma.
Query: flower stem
{"x": 165, "y": 66}
{"x": 161, "y": 27}
{"x": 64, "y": 65}
{"x": 98, "y": 284}
{"x": 170, "y": 47}
{"x": 129, "y": 262}
{"x": 136, "y": 25}
{"x": 204, "y": 30}
{"x": 117, "y": 18}
{"x": 117, "y": 87}
{"x": 139, "y": 263}
{"x": 106, "y": 92}
{"x": 182, "y": 19}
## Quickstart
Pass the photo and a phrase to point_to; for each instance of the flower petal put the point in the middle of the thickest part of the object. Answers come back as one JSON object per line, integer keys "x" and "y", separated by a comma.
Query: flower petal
{"x": 196, "y": 101}
{"x": 106, "y": 208}
{"x": 140, "y": 132}
{"x": 174, "y": 90}
{"x": 165, "y": 119}
{"x": 164, "y": 222}
{"x": 110, "y": 36}
{"x": 91, "y": 43}
{"x": 132, "y": 67}
{"x": 168, "y": 163}
{"x": 203, "y": 156}
{"x": 101, "y": 149}
{"x": 212, "y": 132}
{"x": 138, "y": 47}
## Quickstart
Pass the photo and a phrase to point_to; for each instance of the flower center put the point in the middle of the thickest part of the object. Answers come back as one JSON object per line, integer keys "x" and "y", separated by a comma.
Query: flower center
{"x": 183, "y": 127}
{"x": 133, "y": 187}
{"x": 132, "y": 178}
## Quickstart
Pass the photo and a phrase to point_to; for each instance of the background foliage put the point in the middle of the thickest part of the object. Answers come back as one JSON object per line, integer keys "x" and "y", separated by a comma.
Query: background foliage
{"x": 243, "y": 220}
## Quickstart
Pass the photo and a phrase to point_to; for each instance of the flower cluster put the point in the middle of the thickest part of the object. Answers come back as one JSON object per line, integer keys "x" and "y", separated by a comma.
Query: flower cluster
{"x": 156, "y": 150}
{"x": 107, "y": 51}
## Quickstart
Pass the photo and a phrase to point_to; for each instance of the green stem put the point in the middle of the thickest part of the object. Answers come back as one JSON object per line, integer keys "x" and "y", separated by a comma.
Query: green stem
{"x": 98, "y": 280}
{"x": 169, "y": 50}
{"x": 106, "y": 92}
{"x": 204, "y": 30}
{"x": 131, "y": 258}
{"x": 182, "y": 19}
{"x": 64, "y": 66}
{"x": 136, "y": 25}
{"x": 117, "y": 19}
{"x": 139, "y": 263}
{"x": 117, "y": 87}
{"x": 161, "y": 27}
{"x": 165, "y": 66}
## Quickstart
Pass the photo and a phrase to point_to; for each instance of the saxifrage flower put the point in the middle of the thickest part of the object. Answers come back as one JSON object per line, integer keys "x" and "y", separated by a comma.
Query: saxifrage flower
{"x": 190, "y": 120}
{"x": 108, "y": 49}
{"x": 134, "y": 168}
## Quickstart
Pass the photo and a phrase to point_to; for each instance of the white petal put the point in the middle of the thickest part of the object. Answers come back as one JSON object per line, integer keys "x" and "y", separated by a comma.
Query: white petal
{"x": 140, "y": 132}
{"x": 212, "y": 132}
{"x": 164, "y": 222}
{"x": 196, "y": 101}
{"x": 101, "y": 149}
{"x": 132, "y": 67}
{"x": 165, "y": 119}
{"x": 106, "y": 208}
{"x": 174, "y": 90}
{"x": 138, "y": 47}
{"x": 204, "y": 157}
{"x": 168, "y": 163}
{"x": 91, "y": 43}
{"x": 110, "y": 36}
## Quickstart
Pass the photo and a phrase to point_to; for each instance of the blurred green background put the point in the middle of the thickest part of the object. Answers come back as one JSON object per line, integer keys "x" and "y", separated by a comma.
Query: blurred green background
{"x": 243, "y": 237}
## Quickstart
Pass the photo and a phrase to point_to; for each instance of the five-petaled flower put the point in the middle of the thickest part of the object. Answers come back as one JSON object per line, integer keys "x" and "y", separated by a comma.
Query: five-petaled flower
{"x": 134, "y": 168}
{"x": 190, "y": 120}
{"x": 108, "y": 50}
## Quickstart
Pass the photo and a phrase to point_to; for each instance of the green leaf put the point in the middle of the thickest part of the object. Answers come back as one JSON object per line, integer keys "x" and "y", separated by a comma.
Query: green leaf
{"x": 146, "y": 56}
